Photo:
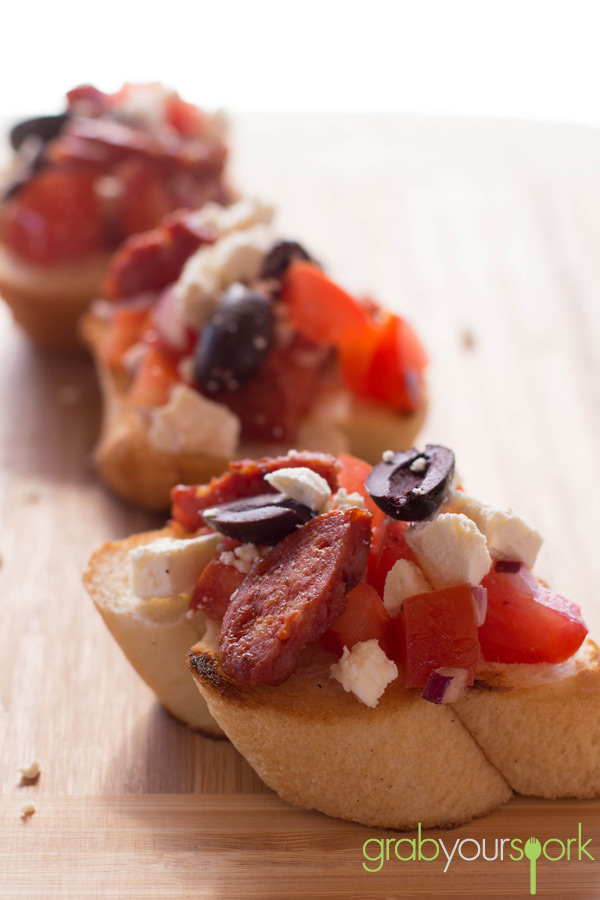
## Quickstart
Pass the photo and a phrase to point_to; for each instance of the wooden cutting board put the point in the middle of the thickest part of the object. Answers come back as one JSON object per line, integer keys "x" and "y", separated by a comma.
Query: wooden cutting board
{"x": 487, "y": 235}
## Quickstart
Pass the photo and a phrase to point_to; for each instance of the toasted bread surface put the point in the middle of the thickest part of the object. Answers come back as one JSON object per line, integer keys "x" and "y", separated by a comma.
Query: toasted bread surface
{"x": 540, "y": 725}
{"x": 405, "y": 762}
{"x": 48, "y": 301}
{"x": 135, "y": 469}
{"x": 155, "y": 636}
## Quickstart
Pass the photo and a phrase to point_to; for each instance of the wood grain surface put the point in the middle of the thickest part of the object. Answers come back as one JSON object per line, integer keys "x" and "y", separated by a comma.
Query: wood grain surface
{"x": 487, "y": 236}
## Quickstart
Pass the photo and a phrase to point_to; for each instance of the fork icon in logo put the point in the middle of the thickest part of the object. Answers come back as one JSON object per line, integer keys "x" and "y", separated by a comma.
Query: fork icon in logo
{"x": 533, "y": 850}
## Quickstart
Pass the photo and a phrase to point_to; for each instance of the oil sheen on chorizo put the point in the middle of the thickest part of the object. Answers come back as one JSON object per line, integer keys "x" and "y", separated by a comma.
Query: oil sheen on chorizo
{"x": 293, "y": 595}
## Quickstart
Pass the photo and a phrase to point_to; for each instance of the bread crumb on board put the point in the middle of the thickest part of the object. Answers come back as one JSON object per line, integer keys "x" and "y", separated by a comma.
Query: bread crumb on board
{"x": 27, "y": 810}
{"x": 30, "y": 771}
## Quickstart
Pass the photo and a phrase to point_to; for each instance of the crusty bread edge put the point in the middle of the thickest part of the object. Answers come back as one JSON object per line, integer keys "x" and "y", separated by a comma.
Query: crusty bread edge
{"x": 48, "y": 302}
{"x": 544, "y": 734}
{"x": 154, "y": 641}
{"x": 404, "y": 763}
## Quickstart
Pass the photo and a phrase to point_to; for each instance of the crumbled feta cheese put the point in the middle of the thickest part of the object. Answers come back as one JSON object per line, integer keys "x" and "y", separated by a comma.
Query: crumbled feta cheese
{"x": 508, "y": 535}
{"x": 343, "y": 500}
{"x": 191, "y": 423}
{"x": 405, "y": 579}
{"x": 144, "y": 104}
{"x": 241, "y": 215}
{"x": 27, "y": 810}
{"x": 31, "y": 770}
{"x": 241, "y": 558}
{"x": 365, "y": 670}
{"x": 237, "y": 256}
{"x": 170, "y": 566}
{"x": 388, "y": 455}
{"x": 302, "y": 484}
{"x": 419, "y": 465}
{"x": 450, "y": 550}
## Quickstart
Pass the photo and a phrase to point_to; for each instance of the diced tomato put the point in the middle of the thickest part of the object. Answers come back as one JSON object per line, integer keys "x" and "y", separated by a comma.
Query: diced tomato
{"x": 385, "y": 363}
{"x": 391, "y": 546}
{"x": 319, "y": 309}
{"x": 54, "y": 218}
{"x": 215, "y": 586}
{"x": 184, "y": 117}
{"x": 145, "y": 199}
{"x": 273, "y": 402}
{"x": 155, "y": 379}
{"x": 126, "y": 327}
{"x": 435, "y": 629}
{"x": 352, "y": 478}
{"x": 527, "y": 622}
{"x": 388, "y": 543}
{"x": 364, "y": 618}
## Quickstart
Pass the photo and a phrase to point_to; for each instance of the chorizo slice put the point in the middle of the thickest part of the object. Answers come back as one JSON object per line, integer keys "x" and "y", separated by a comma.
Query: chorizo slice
{"x": 244, "y": 479}
{"x": 293, "y": 595}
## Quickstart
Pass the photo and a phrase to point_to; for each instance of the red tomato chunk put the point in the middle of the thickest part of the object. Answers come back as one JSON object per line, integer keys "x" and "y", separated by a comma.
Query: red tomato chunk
{"x": 527, "y": 622}
{"x": 434, "y": 629}
{"x": 364, "y": 618}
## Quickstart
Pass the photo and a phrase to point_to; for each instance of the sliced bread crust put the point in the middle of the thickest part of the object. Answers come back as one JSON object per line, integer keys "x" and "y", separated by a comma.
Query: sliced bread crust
{"x": 540, "y": 725}
{"x": 155, "y": 637}
{"x": 405, "y": 762}
{"x": 49, "y": 301}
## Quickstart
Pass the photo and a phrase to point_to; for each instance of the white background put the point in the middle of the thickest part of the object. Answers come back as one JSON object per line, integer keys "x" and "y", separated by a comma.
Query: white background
{"x": 527, "y": 59}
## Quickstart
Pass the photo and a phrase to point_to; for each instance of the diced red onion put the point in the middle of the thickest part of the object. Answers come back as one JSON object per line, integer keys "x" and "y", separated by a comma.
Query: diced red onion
{"x": 480, "y": 601}
{"x": 169, "y": 320}
{"x": 508, "y": 565}
{"x": 445, "y": 685}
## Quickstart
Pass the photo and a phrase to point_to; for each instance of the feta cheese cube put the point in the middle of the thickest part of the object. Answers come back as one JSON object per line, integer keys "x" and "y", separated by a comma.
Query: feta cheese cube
{"x": 237, "y": 256}
{"x": 168, "y": 566}
{"x": 302, "y": 484}
{"x": 343, "y": 500}
{"x": 508, "y": 535}
{"x": 365, "y": 671}
{"x": 191, "y": 423}
{"x": 404, "y": 579}
{"x": 450, "y": 550}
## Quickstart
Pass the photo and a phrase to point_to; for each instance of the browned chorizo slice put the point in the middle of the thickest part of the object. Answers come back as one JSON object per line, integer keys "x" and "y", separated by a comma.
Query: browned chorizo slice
{"x": 292, "y": 596}
{"x": 245, "y": 479}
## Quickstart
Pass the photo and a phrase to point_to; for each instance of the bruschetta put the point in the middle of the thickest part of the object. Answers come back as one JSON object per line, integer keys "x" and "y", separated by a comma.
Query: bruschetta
{"x": 219, "y": 340}
{"x": 109, "y": 166}
{"x": 372, "y": 639}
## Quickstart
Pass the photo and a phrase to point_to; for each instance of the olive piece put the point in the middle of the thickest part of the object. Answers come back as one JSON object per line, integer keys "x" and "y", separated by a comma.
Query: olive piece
{"x": 265, "y": 519}
{"x": 43, "y": 127}
{"x": 412, "y": 485}
{"x": 235, "y": 341}
{"x": 280, "y": 256}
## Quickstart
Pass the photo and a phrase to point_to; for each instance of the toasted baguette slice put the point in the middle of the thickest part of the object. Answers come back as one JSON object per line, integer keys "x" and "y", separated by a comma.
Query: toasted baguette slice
{"x": 48, "y": 302}
{"x": 540, "y": 725}
{"x": 155, "y": 636}
{"x": 405, "y": 762}
{"x": 136, "y": 470}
